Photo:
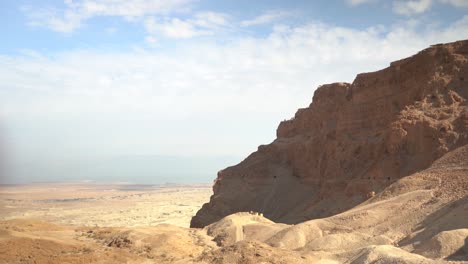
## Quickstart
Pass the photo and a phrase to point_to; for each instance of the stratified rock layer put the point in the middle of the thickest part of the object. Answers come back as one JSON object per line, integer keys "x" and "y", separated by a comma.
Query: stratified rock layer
{"x": 352, "y": 141}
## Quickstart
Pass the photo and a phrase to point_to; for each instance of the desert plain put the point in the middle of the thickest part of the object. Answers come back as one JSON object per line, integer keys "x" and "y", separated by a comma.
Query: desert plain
{"x": 91, "y": 222}
{"x": 103, "y": 204}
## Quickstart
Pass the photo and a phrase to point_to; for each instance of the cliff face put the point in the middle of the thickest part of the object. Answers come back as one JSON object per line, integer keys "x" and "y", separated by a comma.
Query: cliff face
{"x": 354, "y": 139}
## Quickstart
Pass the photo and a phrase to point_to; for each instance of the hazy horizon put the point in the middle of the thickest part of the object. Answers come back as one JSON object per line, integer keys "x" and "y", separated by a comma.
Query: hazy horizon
{"x": 135, "y": 169}
{"x": 85, "y": 83}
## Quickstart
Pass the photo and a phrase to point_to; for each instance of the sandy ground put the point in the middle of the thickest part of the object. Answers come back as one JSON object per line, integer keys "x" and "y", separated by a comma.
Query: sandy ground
{"x": 93, "y": 204}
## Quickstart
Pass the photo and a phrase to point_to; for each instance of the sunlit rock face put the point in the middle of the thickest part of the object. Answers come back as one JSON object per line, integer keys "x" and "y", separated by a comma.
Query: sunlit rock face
{"x": 352, "y": 141}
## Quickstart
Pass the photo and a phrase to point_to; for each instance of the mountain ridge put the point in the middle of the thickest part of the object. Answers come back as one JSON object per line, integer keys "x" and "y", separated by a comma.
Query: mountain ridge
{"x": 353, "y": 140}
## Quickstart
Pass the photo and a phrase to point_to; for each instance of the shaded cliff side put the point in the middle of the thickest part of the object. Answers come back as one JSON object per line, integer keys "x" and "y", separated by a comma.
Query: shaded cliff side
{"x": 353, "y": 140}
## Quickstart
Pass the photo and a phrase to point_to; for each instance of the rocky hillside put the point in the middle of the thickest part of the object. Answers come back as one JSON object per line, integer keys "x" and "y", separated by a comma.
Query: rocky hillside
{"x": 353, "y": 141}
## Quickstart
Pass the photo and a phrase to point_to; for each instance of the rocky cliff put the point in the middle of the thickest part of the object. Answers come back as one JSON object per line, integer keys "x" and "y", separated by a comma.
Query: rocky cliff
{"x": 352, "y": 141}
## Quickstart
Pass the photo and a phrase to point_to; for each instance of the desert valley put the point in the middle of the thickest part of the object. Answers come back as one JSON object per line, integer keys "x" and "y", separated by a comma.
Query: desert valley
{"x": 374, "y": 171}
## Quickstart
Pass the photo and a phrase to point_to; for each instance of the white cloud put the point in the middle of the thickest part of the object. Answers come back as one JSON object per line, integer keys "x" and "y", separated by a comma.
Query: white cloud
{"x": 125, "y": 8}
{"x": 176, "y": 28}
{"x": 411, "y": 7}
{"x": 359, "y": 2}
{"x": 202, "y": 24}
{"x": 230, "y": 97}
{"x": 457, "y": 3}
{"x": 76, "y": 12}
{"x": 265, "y": 18}
{"x": 210, "y": 19}
{"x": 52, "y": 19}
{"x": 151, "y": 40}
{"x": 111, "y": 30}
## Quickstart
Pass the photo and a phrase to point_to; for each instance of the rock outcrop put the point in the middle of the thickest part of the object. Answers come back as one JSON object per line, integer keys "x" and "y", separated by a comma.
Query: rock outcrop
{"x": 353, "y": 141}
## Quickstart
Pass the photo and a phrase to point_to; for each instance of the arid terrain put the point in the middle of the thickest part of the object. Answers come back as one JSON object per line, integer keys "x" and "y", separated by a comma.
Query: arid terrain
{"x": 371, "y": 172}
{"x": 103, "y": 204}
{"x": 418, "y": 219}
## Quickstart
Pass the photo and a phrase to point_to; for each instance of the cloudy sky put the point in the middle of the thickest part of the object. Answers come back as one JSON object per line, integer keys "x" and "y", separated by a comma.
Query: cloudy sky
{"x": 134, "y": 90}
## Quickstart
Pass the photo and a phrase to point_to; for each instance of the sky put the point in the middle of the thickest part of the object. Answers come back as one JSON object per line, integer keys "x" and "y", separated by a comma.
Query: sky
{"x": 174, "y": 90}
